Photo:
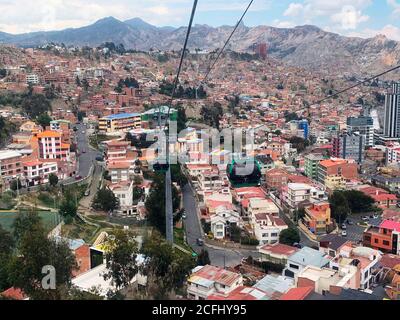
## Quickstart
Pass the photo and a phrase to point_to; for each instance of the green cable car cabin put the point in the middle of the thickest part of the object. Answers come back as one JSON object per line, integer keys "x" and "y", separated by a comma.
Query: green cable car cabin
{"x": 239, "y": 180}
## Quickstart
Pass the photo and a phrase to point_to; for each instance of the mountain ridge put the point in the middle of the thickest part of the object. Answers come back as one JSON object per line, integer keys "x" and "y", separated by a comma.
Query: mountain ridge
{"x": 304, "y": 46}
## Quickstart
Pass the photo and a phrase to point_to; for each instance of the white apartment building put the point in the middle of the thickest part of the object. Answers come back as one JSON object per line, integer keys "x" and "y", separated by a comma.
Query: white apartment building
{"x": 32, "y": 79}
{"x": 393, "y": 154}
{"x": 209, "y": 280}
{"x": 267, "y": 228}
{"x": 119, "y": 171}
{"x": 52, "y": 147}
{"x": 364, "y": 258}
{"x": 262, "y": 206}
{"x": 210, "y": 181}
{"x": 37, "y": 172}
{"x": 124, "y": 192}
{"x": 222, "y": 220}
{"x": 296, "y": 193}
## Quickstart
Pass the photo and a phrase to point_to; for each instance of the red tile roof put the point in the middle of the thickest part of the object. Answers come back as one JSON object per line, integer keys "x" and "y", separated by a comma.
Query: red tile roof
{"x": 218, "y": 275}
{"x": 280, "y": 249}
{"x": 297, "y": 294}
{"x": 14, "y": 294}
{"x": 240, "y": 294}
{"x": 391, "y": 225}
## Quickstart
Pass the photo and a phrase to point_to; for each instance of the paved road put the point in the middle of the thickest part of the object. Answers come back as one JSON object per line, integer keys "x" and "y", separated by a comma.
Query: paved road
{"x": 87, "y": 156}
{"x": 355, "y": 232}
{"x": 218, "y": 256}
{"x": 97, "y": 174}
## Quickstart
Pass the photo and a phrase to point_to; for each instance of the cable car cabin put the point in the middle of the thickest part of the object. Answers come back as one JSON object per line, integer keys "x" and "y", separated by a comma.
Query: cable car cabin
{"x": 240, "y": 180}
{"x": 160, "y": 167}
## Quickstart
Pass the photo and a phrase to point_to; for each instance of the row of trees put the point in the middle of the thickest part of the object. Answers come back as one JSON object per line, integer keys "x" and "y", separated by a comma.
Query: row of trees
{"x": 128, "y": 82}
{"x": 344, "y": 203}
{"x": 181, "y": 92}
{"x": 25, "y": 252}
{"x": 35, "y": 106}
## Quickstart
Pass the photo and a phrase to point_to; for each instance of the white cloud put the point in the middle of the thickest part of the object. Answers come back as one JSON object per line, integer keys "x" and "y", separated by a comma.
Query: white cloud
{"x": 341, "y": 14}
{"x": 395, "y": 6}
{"x": 294, "y": 10}
{"x": 283, "y": 24}
{"x": 349, "y": 18}
{"x": 390, "y": 31}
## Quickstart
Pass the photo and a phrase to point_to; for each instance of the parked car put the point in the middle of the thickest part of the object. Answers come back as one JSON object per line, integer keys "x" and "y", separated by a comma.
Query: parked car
{"x": 350, "y": 222}
{"x": 344, "y": 227}
{"x": 344, "y": 233}
{"x": 376, "y": 216}
{"x": 87, "y": 193}
{"x": 200, "y": 242}
{"x": 78, "y": 178}
{"x": 365, "y": 218}
{"x": 184, "y": 217}
{"x": 99, "y": 159}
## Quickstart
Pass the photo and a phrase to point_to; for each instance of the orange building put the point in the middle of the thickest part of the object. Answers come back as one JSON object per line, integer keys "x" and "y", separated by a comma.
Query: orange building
{"x": 385, "y": 238}
{"x": 51, "y": 146}
{"x": 348, "y": 169}
{"x": 318, "y": 217}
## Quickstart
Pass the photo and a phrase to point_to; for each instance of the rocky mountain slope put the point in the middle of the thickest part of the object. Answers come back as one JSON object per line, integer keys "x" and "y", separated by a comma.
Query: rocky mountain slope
{"x": 304, "y": 46}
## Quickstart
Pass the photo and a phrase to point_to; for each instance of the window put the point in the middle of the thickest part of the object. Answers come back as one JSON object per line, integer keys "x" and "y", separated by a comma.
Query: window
{"x": 386, "y": 243}
{"x": 376, "y": 240}
{"x": 274, "y": 235}
{"x": 294, "y": 266}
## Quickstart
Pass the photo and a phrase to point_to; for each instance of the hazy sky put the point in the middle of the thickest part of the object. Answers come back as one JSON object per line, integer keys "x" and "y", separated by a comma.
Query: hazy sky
{"x": 348, "y": 17}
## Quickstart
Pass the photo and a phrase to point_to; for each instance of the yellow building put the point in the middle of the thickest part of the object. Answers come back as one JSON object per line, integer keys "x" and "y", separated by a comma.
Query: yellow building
{"x": 123, "y": 122}
{"x": 335, "y": 183}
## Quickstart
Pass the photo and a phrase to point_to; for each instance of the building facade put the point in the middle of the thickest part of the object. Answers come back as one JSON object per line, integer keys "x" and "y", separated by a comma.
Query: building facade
{"x": 363, "y": 126}
{"x": 392, "y": 112}
{"x": 350, "y": 146}
{"x": 123, "y": 122}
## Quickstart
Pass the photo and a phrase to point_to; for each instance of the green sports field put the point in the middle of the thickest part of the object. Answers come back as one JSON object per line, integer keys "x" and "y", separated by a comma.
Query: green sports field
{"x": 7, "y": 219}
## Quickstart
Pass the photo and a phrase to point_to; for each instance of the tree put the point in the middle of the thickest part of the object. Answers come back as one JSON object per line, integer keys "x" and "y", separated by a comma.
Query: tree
{"x": 6, "y": 250}
{"x": 44, "y": 120}
{"x": 170, "y": 267}
{"x": 290, "y": 116}
{"x": 35, "y": 104}
{"x": 105, "y": 200}
{"x": 68, "y": 209}
{"x": 137, "y": 193}
{"x": 121, "y": 259}
{"x": 182, "y": 119}
{"x": 178, "y": 176}
{"x": 53, "y": 180}
{"x": 35, "y": 251}
{"x": 155, "y": 203}
{"x": 339, "y": 207}
{"x": 359, "y": 201}
{"x": 15, "y": 185}
{"x": 212, "y": 115}
{"x": 299, "y": 143}
{"x": 289, "y": 236}
{"x": 23, "y": 223}
{"x": 203, "y": 258}
{"x": 343, "y": 203}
